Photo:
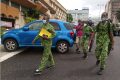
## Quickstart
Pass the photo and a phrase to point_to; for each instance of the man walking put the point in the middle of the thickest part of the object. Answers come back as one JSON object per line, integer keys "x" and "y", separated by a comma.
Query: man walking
{"x": 47, "y": 58}
{"x": 79, "y": 31}
{"x": 85, "y": 39}
{"x": 103, "y": 37}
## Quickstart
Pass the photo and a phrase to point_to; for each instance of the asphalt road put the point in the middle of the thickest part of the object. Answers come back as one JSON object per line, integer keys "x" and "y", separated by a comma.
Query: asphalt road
{"x": 69, "y": 66}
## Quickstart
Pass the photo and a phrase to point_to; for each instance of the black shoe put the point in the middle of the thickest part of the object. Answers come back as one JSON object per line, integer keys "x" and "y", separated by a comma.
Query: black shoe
{"x": 52, "y": 66}
{"x": 77, "y": 49}
{"x": 38, "y": 72}
{"x": 78, "y": 52}
{"x": 97, "y": 62}
{"x": 90, "y": 50}
{"x": 100, "y": 72}
{"x": 85, "y": 56}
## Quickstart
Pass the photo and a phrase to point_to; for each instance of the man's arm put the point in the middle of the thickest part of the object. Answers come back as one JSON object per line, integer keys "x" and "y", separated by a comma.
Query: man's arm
{"x": 111, "y": 35}
{"x": 36, "y": 38}
{"x": 52, "y": 31}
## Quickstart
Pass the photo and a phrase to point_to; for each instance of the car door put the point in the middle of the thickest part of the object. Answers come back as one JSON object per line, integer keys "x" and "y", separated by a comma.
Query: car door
{"x": 57, "y": 31}
{"x": 28, "y": 36}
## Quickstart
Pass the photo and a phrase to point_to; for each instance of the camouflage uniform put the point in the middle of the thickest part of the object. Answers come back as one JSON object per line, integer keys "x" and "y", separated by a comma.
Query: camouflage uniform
{"x": 85, "y": 39}
{"x": 102, "y": 42}
{"x": 47, "y": 58}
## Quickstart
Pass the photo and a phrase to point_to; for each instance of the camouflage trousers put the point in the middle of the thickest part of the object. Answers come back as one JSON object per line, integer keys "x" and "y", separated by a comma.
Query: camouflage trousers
{"x": 47, "y": 58}
{"x": 85, "y": 45}
{"x": 101, "y": 52}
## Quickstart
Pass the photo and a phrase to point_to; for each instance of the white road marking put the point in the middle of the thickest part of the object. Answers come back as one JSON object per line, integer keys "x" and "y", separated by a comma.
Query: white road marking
{"x": 9, "y": 55}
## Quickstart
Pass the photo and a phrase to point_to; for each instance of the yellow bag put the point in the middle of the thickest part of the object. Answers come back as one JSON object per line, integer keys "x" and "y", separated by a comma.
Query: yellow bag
{"x": 45, "y": 32}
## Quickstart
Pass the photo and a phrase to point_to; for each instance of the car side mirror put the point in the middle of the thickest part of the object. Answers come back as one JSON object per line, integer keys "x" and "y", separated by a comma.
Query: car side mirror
{"x": 25, "y": 28}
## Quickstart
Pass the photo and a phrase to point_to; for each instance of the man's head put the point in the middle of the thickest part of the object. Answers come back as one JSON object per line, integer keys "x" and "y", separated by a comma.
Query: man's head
{"x": 110, "y": 20}
{"x": 46, "y": 18}
{"x": 104, "y": 16}
{"x": 79, "y": 21}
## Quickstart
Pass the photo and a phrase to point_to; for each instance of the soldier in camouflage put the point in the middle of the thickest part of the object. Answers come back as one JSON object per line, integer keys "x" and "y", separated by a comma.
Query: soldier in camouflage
{"x": 47, "y": 58}
{"x": 85, "y": 39}
{"x": 103, "y": 37}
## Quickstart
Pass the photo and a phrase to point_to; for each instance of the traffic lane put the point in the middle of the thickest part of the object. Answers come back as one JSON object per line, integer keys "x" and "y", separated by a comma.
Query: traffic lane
{"x": 68, "y": 66}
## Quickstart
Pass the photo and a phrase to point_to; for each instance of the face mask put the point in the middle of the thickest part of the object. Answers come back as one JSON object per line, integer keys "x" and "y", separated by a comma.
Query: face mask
{"x": 85, "y": 24}
{"x": 103, "y": 19}
{"x": 44, "y": 21}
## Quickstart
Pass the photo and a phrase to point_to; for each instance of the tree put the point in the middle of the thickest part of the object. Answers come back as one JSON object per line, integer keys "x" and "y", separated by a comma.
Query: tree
{"x": 31, "y": 15}
{"x": 118, "y": 15}
{"x": 69, "y": 18}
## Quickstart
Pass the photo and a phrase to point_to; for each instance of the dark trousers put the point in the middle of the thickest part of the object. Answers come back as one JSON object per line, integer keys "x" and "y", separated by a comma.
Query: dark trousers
{"x": 109, "y": 48}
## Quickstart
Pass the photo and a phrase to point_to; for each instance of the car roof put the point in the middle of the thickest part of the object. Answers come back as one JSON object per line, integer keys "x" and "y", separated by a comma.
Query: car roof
{"x": 54, "y": 20}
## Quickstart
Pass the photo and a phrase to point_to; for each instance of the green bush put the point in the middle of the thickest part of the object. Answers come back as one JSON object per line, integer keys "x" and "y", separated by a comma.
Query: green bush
{"x": 29, "y": 19}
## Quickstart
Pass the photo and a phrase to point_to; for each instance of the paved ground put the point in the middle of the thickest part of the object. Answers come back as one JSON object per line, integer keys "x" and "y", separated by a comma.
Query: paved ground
{"x": 4, "y": 55}
{"x": 68, "y": 66}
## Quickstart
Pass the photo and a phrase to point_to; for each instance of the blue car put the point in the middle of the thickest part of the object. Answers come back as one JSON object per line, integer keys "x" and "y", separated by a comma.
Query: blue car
{"x": 23, "y": 37}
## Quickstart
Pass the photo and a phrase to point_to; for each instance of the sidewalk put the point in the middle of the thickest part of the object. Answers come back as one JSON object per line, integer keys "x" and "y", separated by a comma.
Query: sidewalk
{"x": 4, "y": 55}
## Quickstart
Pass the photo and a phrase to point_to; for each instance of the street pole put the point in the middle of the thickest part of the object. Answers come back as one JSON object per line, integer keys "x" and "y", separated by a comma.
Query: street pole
{"x": 100, "y": 7}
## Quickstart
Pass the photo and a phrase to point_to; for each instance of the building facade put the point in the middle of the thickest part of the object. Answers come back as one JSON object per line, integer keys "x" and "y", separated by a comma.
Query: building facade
{"x": 111, "y": 8}
{"x": 56, "y": 10}
{"x": 12, "y": 15}
{"x": 13, "y": 10}
{"x": 79, "y": 14}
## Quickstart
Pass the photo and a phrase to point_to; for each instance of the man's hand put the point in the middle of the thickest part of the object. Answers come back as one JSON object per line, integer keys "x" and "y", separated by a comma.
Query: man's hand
{"x": 45, "y": 37}
{"x": 33, "y": 42}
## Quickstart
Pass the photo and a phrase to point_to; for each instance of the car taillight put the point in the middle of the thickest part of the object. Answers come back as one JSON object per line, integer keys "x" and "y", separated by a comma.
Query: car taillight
{"x": 72, "y": 34}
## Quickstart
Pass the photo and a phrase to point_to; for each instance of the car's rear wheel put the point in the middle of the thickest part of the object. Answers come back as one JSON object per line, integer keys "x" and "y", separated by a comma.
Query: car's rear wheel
{"x": 62, "y": 47}
{"x": 10, "y": 44}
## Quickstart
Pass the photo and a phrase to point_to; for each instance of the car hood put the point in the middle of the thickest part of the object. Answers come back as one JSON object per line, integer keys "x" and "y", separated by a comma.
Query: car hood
{"x": 13, "y": 30}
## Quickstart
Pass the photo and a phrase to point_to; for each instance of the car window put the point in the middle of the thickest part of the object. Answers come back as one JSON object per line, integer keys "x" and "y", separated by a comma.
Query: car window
{"x": 69, "y": 26}
{"x": 36, "y": 26}
{"x": 55, "y": 25}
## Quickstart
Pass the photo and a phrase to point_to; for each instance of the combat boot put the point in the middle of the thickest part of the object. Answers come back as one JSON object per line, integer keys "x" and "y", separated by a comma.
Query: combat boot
{"x": 85, "y": 56}
{"x": 100, "y": 72}
{"x": 97, "y": 62}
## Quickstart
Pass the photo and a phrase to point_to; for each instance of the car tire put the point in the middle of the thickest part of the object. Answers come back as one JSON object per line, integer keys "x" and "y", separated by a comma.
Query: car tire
{"x": 10, "y": 45}
{"x": 62, "y": 47}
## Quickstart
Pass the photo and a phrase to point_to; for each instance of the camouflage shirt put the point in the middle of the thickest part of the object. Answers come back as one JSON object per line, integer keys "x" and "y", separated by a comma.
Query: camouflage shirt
{"x": 49, "y": 28}
{"x": 103, "y": 30}
{"x": 86, "y": 32}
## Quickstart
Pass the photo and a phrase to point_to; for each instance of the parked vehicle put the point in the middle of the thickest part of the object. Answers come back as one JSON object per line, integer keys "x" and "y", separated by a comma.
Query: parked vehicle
{"x": 23, "y": 37}
{"x": 116, "y": 31}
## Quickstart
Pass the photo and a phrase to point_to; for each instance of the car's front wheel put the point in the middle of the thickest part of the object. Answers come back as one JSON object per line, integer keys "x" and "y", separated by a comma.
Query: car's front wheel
{"x": 10, "y": 44}
{"x": 62, "y": 47}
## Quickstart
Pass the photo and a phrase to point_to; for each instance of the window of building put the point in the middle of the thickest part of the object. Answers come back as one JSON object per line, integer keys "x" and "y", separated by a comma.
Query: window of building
{"x": 24, "y": 8}
{"x": 13, "y": 4}
{"x": 55, "y": 25}
{"x": 5, "y": 2}
{"x": 32, "y": 0}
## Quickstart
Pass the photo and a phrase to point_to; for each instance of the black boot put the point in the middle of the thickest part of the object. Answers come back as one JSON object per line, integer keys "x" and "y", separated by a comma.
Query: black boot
{"x": 85, "y": 56}
{"x": 78, "y": 51}
{"x": 97, "y": 62}
{"x": 100, "y": 72}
